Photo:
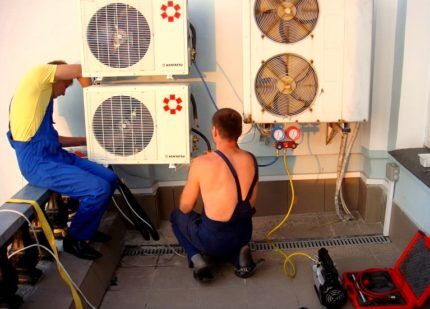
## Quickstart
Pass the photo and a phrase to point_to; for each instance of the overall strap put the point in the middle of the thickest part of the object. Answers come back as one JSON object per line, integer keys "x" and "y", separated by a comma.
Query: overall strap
{"x": 254, "y": 181}
{"x": 233, "y": 171}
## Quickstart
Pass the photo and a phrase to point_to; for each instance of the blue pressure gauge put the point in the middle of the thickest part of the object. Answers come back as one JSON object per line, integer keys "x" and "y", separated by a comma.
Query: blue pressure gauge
{"x": 278, "y": 134}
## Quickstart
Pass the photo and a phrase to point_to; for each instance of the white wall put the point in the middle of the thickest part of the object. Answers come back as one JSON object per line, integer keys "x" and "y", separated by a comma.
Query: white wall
{"x": 37, "y": 32}
{"x": 376, "y": 131}
{"x": 32, "y": 33}
{"x": 414, "y": 98}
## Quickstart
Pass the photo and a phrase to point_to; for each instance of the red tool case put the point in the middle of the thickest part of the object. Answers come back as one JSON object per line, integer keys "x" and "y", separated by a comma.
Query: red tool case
{"x": 407, "y": 285}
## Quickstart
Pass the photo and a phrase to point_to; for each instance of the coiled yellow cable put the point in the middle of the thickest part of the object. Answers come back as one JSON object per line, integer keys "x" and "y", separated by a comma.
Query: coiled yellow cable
{"x": 287, "y": 258}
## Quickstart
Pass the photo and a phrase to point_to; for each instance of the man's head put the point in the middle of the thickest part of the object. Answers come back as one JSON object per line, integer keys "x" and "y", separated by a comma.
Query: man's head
{"x": 227, "y": 124}
{"x": 59, "y": 87}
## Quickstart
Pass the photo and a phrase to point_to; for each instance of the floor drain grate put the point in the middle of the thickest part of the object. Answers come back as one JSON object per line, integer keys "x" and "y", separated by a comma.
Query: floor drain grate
{"x": 155, "y": 250}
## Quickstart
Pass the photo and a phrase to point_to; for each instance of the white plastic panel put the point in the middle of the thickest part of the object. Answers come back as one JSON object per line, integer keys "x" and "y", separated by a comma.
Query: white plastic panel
{"x": 168, "y": 108}
{"x": 168, "y": 31}
{"x": 338, "y": 49}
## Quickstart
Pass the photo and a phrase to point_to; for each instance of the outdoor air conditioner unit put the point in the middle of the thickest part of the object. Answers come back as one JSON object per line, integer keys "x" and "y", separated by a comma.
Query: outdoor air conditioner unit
{"x": 307, "y": 60}
{"x": 137, "y": 124}
{"x": 134, "y": 37}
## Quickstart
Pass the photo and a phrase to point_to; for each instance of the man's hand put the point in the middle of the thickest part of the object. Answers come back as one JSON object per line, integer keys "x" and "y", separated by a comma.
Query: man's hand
{"x": 85, "y": 81}
{"x": 69, "y": 141}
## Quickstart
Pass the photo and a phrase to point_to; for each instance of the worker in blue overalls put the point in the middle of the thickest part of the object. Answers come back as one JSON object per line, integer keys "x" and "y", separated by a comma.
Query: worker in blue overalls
{"x": 227, "y": 181}
{"x": 44, "y": 163}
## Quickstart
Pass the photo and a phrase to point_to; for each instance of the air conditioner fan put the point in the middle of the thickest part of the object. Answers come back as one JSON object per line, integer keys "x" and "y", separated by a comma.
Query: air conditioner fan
{"x": 286, "y": 85}
{"x": 123, "y": 125}
{"x": 286, "y": 21}
{"x": 118, "y": 35}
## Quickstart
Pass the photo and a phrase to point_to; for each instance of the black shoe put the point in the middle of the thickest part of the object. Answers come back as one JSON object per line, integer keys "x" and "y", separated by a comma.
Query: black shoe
{"x": 80, "y": 248}
{"x": 100, "y": 237}
{"x": 201, "y": 270}
{"x": 203, "y": 274}
{"x": 247, "y": 266}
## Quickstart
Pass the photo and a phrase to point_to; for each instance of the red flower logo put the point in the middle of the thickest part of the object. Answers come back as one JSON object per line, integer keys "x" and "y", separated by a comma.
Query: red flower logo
{"x": 172, "y": 104}
{"x": 170, "y": 11}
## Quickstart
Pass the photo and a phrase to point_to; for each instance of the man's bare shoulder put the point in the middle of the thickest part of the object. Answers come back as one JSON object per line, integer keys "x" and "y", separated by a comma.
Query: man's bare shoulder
{"x": 204, "y": 159}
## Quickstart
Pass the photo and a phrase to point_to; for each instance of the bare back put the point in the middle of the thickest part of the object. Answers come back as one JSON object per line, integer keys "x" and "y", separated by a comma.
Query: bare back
{"x": 217, "y": 185}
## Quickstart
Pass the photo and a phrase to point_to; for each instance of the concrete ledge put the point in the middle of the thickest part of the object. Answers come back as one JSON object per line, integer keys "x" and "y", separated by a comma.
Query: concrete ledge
{"x": 92, "y": 277}
{"x": 10, "y": 222}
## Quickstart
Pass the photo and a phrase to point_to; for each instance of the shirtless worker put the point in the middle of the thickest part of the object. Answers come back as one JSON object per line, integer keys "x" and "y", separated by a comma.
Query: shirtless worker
{"x": 227, "y": 181}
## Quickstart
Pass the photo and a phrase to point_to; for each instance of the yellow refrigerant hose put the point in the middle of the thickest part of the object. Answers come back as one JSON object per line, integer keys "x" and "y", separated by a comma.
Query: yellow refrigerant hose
{"x": 287, "y": 258}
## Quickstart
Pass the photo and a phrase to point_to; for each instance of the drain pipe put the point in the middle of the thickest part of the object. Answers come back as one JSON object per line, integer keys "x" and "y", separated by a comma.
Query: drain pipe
{"x": 392, "y": 173}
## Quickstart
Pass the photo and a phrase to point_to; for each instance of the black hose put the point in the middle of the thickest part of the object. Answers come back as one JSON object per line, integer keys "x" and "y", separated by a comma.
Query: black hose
{"x": 208, "y": 144}
{"x": 193, "y": 42}
{"x": 143, "y": 224}
{"x": 195, "y": 116}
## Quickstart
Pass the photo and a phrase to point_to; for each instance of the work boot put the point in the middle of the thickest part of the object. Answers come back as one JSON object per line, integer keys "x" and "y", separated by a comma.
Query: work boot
{"x": 247, "y": 266}
{"x": 80, "y": 248}
{"x": 100, "y": 237}
{"x": 201, "y": 271}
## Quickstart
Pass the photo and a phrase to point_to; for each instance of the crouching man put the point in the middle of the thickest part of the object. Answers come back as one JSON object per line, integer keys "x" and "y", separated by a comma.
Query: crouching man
{"x": 227, "y": 181}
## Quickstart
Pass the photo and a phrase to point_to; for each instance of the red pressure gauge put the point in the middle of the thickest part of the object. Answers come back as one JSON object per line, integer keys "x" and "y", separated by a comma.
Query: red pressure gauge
{"x": 293, "y": 133}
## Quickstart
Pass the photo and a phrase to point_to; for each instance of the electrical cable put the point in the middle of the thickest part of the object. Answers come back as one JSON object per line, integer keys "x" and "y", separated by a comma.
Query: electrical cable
{"x": 342, "y": 148}
{"x": 253, "y": 128}
{"x": 169, "y": 246}
{"x": 136, "y": 214}
{"x": 370, "y": 293}
{"x": 287, "y": 258}
{"x": 195, "y": 116}
{"x": 59, "y": 264}
{"x": 29, "y": 225}
{"x": 193, "y": 42}
{"x": 208, "y": 144}
{"x": 270, "y": 163}
{"x": 263, "y": 131}
{"x": 344, "y": 155}
{"x": 121, "y": 212}
{"x": 205, "y": 84}
{"x": 51, "y": 240}
{"x": 346, "y": 159}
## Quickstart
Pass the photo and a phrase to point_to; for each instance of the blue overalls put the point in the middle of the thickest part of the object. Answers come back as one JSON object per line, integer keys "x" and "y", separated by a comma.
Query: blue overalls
{"x": 45, "y": 164}
{"x": 221, "y": 240}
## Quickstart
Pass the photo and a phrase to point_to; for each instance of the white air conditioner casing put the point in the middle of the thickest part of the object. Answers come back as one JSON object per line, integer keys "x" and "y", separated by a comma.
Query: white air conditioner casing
{"x": 338, "y": 49}
{"x": 134, "y": 38}
{"x": 137, "y": 124}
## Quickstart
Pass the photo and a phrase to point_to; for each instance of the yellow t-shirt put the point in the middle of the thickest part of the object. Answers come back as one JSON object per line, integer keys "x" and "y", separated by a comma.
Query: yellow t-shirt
{"x": 30, "y": 101}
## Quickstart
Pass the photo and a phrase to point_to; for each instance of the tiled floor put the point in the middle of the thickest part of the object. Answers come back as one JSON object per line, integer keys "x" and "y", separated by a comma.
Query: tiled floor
{"x": 166, "y": 281}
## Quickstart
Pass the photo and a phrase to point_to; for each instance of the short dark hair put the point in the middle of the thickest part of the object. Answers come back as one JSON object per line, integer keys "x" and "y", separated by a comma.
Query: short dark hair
{"x": 57, "y": 62}
{"x": 228, "y": 123}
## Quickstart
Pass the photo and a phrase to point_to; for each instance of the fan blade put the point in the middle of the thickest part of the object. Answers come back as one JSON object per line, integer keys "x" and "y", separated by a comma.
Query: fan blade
{"x": 284, "y": 31}
{"x": 307, "y": 89}
{"x": 281, "y": 104}
{"x": 266, "y": 89}
{"x": 296, "y": 106}
{"x": 307, "y": 12}
{"x": 298, "y": 98}
{"x": 262, "y": 6}
{"x": 265, "y": 84}
{"x": 308, "y": 70}
{"x": 297, "y": 2}
{"x": 278, "y": 66}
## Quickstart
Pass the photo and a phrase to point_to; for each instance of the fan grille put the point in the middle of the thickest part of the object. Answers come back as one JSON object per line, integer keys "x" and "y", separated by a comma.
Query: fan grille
{"x": 118, "y": 35}
{"x": 123, "y": 126}
{"x": 286, "y": 21}
{"x": 286, "y": 85}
